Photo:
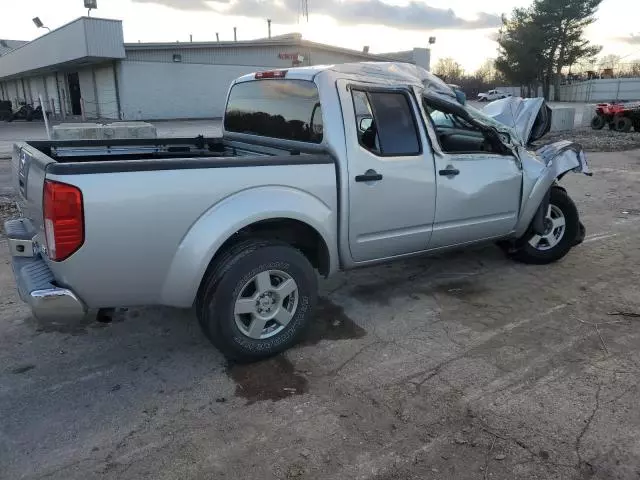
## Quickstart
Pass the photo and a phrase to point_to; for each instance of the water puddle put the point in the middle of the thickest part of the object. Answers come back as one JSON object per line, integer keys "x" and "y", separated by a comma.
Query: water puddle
{"x": 276, "y": 378}
{"x": 331, "y": 323}
{"x": 272, "y": 379}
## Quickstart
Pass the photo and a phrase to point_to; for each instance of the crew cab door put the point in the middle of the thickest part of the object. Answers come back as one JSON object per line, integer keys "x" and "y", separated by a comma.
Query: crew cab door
{"x": 479, "y": 186}
{"x": 391, "y": 172}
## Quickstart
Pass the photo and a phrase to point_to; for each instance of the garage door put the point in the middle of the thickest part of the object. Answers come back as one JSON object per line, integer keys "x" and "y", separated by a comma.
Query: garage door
{"x": 106, "y": 86}
{"x": 36, "y": 85}
{"x": 23, "y": 91}
{"x": 52, "y": 93}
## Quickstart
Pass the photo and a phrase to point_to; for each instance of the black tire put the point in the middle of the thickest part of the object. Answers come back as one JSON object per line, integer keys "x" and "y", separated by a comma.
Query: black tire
{"x": 224, "y": 283}
{"x": 623, "y": 124}
{"x": 526, "y": 253}
{"x": 598, "y": 122}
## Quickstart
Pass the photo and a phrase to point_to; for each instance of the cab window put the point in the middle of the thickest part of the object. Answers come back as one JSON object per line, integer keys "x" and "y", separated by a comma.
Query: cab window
{"x": 385, "y": 123}
{"x": 285, "y": 109}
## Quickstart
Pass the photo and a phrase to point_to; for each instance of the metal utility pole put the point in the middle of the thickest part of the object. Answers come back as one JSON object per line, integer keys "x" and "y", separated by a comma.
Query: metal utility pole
{"x": 304, "y": 9}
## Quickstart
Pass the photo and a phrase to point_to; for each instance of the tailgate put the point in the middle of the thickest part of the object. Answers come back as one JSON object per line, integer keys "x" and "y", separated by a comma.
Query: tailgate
{"x": 29, "y": 169}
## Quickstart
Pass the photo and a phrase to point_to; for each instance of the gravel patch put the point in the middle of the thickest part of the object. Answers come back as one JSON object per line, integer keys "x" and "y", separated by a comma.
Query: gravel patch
{"x": 596, "y": 140}
{"x": 8, "y": 210}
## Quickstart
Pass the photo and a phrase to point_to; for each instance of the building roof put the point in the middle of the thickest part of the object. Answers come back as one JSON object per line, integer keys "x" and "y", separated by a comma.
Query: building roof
{"x": 7, "y": 45}
{"x": 291, "y": 39}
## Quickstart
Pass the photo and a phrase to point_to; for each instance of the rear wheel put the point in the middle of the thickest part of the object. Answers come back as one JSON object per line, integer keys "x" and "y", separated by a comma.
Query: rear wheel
{"x": 623, "y": 124}
{"x": 598, "y": 122}
{"x": 258, "y": 300}
{"x": 562, "y": 229}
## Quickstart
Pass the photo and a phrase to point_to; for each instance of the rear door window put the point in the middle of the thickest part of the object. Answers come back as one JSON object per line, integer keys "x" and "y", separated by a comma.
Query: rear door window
{"x": 285, "y": 109}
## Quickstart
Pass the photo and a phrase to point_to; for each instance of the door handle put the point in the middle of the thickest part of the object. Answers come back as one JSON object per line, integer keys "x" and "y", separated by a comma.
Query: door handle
{"x": 369, "y": 176}
{"x": 449, "y": 172}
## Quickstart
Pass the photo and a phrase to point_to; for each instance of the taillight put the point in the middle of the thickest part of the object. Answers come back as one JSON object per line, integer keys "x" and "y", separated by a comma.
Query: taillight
{"x": 63, "y": 219}
{"x": 271, "y": 74}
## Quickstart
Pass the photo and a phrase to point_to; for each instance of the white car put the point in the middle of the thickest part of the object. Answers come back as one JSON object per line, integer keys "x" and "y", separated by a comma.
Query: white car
{"x": 492, "y": 95}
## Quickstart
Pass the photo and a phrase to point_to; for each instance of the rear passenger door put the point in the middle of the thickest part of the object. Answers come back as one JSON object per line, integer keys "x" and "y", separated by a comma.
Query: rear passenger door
{"x": 391, "y": 172}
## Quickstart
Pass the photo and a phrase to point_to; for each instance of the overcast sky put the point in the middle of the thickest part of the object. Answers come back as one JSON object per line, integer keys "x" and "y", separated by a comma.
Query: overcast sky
{"x": 463, "y": 27}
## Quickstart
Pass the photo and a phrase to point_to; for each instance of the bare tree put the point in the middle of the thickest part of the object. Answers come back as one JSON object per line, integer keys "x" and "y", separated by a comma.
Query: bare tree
{"x": 449, "y": 70}
{"x": 609, "y": 61}
{"x": 487, "y": 72}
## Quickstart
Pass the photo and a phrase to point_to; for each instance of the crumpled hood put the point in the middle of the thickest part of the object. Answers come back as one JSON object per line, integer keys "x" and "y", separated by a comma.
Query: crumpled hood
{"x": 565, "y": 151}
{"x": 529, "y": 117}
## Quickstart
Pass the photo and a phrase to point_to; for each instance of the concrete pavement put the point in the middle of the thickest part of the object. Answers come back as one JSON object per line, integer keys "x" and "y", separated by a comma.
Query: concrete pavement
{"x": 462, "y": 366}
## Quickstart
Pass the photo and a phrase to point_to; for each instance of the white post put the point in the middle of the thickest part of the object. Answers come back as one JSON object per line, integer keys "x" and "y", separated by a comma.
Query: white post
{"x": 82, "y": 110}
{"x": 44, "y": 115}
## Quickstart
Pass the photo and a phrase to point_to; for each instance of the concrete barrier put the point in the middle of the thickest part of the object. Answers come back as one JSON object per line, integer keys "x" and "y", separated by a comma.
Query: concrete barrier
{"x": 562, "y": 119}
{"x": 588, "y": 112}
{"x": 98, "y": 131}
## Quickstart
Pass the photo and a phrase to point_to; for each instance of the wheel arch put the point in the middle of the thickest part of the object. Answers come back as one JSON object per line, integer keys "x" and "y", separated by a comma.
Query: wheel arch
{"x": 280, "y": 213}
{"x": 533, "y": 203}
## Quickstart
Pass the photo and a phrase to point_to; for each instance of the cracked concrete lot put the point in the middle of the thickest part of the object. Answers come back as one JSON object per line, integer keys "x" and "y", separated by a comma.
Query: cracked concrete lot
{"x": 463, "y": 366}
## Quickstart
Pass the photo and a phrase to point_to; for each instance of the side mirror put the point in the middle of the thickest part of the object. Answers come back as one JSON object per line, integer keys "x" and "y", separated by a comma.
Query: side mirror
{"x": 365, "y": 123}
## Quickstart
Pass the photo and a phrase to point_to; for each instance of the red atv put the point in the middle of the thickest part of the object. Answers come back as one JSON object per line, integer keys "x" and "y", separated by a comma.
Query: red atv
{"x": 619, "y": 116}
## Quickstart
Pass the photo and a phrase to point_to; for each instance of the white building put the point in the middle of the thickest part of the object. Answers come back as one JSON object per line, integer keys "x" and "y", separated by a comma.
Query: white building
{"x": 85, "y": 69}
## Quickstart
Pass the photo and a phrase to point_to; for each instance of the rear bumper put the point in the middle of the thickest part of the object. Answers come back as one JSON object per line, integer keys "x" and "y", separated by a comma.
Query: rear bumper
{"x": 35, "y": 281}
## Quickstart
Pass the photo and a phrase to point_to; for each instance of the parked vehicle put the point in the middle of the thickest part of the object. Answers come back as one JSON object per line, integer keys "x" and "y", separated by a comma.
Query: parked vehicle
{"x": 492, "y": 95}
{"x": 318, "y": 169}
{"x": 618, "y": 116}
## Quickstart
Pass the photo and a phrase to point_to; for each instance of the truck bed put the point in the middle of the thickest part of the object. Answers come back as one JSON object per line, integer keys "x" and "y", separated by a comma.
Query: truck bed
{"x": 148, "y": 203}
{"x": 80, "y": 151}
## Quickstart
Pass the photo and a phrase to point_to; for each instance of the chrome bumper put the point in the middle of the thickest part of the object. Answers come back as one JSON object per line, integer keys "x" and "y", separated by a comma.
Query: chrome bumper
{"x": 36, "y": 284}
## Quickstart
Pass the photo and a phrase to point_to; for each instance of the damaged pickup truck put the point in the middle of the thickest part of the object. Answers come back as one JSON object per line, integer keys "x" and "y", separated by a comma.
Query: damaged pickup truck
{"x": 318, "y": 169}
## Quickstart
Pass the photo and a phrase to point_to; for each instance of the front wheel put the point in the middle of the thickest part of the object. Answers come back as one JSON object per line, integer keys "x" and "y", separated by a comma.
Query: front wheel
{"x": 258, "y": 300}
{"x": 562, "y": 228}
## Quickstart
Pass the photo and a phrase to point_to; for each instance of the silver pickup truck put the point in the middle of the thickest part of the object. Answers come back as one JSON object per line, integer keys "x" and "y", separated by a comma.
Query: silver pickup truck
{"x": 318, "y": 169}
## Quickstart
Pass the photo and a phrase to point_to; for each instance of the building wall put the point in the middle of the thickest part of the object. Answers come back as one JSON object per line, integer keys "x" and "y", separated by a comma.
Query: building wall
{"x": 150, "y": 90}
{"x": 268, "y": 55}
{"x": 154, "y": 86}
{"x": 422, "y": 58}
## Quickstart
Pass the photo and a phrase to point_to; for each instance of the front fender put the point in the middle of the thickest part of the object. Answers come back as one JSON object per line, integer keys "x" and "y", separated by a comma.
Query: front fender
{"x": 541, "y": 170}
{"x": 232, "y": 214}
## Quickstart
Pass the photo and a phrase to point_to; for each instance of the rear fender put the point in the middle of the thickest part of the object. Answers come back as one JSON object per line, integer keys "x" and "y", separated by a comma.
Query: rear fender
{"x": 550, "y": 164}
{"x": 231, "y": 215}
